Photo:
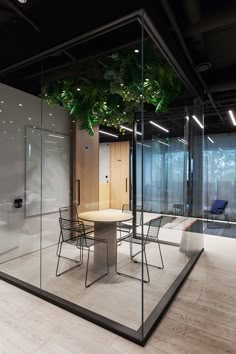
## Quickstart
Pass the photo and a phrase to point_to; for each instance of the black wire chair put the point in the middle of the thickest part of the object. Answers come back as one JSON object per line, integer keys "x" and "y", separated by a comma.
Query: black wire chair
{"x": 126, "y": 226}
{"x": 71, "y": 213}
{"x": 152, "y": 236}
{"x": 73, "y": 233}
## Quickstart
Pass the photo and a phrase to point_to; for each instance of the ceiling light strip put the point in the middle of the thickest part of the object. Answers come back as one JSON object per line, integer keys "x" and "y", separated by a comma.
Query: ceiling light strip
{"x": 106, "y": 133}
{"x": 198, "y": 122}
{"x": 159, "y": 126}
{"x": 162, "y": 142}
{"x": 210, "y": 140}
{"x": 232, "y": 117}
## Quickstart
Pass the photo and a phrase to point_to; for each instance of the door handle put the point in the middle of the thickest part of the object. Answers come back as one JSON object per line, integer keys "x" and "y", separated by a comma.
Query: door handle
{"x": 126, "y": 184}
{"x": 78, "y": 181}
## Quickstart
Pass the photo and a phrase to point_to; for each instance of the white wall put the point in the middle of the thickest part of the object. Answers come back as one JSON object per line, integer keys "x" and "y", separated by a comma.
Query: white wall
{"x": 104, "y": 162}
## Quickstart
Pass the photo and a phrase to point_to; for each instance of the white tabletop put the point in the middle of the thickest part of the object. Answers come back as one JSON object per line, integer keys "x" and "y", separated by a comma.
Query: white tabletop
{"x": 105, "y": 216}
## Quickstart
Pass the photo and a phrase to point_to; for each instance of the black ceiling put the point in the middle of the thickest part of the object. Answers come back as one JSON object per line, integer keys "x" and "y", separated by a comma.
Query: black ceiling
{"x": 200, "y": 33}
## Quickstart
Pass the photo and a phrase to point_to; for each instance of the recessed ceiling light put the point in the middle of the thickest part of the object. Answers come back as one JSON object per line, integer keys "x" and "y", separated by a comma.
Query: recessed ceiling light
{"x": 198, "y": 122}
{"x": 136, "y": 51}
{"x": 34, "y": 127}
{"x": 78, "y": 89}
{"x": 102, "y": 131}
{"x": 22, "y": 1}
{"x": 29, "y": 118}
{"x": 159, "y": 126}
{"x": 2, "y": 101}
{"x": 50, "y": 114}
{"x": 11, "y": 122}
{"x": 20, "y": 104}
{"x": 18, "y": 129}
{"x": 232, "y": 117}
{"x": 53, "y": 125}
{"x": 4, "y": 132}
{"x": 4, "y": 121}
{"x": 0, "y": 110}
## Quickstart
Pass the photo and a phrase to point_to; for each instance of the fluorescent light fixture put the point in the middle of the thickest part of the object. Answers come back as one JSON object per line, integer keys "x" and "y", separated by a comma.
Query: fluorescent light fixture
{"x": 149, "y": 146}
{"x": 220, "y": 149}
{"x": 102, "y": 131}
{"x": 210, "y": 140}
{"x": 183, "y": 141}
{"x": 129, "y": 129}
{"x": 162, "y": 142}
{"x": 232, "y": 117}
{"x": 159, "y": 126}
{"x": 56, "y": 136}
{"x": 198, "y": 122}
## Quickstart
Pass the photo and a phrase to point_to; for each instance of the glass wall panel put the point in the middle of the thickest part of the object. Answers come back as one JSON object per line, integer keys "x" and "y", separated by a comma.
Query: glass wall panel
{"x": 169, "y": 182}
{"x": 87, "y": 136}
{"x": 219, "y": 170}
{"x": 20, "y": 177}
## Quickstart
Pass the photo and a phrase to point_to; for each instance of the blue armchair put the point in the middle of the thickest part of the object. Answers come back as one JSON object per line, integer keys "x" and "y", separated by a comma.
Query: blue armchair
{"x": 217, "y": 209}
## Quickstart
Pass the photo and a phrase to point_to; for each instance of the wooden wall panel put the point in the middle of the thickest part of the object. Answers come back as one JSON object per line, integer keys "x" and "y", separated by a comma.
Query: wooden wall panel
{"x": 86, "y": 170}
{"x": 104, "y": 196}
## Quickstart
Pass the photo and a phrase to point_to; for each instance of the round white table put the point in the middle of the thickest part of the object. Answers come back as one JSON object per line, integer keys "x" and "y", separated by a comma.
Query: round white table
{"x": 105, "y": 228}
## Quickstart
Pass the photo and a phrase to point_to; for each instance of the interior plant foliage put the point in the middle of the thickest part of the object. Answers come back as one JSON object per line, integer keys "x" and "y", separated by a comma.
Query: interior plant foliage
{"x": 113, "y": 97}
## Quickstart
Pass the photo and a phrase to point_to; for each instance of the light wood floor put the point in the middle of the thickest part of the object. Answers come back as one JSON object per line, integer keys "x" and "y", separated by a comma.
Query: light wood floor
{"x": 202, "y": 319}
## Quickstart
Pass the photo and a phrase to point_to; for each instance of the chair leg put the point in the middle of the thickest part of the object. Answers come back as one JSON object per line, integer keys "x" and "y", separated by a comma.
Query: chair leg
{"x": 130, "y": 276}
{"x": 73, "y": 260}
{"x": 101, "y": 276}
{"x": 227, "y": 220}
{"x": 58, "y": 244}
{"x": 149, "y": 264}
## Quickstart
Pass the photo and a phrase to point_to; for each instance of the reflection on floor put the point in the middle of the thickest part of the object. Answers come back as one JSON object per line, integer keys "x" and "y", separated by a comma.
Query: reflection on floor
{"x": 115, "y": 297}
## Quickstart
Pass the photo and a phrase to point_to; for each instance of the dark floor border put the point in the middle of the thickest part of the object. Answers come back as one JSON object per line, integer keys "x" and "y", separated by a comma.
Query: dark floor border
{"x": 140, "y": 336}
{"x": 80, "y": 311}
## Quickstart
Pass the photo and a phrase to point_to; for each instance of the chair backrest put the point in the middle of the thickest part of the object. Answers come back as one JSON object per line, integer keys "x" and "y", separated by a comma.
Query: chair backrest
{"x": 69, "y": 213}
{"x": 154, "y": 228}
{"x": 218, "y": 206}
{"x": 71, "y": 229}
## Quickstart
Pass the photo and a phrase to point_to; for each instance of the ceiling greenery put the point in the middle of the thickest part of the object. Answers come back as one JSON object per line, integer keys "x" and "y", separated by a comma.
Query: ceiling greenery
{"x": 113, "y": 97}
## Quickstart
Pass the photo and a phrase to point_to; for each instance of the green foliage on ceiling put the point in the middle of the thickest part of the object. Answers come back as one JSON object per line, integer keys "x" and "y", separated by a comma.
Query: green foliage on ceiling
{"x": 117, "y": 94}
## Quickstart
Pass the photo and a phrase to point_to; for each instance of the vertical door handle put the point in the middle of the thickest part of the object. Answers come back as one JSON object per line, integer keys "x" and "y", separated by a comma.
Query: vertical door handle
{"x": 126, "y": 184}
{"x": 78, "y": 181}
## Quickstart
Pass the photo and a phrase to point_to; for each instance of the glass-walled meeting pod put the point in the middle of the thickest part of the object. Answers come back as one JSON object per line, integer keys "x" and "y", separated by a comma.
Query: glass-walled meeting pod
{"x": 91, "y": 125}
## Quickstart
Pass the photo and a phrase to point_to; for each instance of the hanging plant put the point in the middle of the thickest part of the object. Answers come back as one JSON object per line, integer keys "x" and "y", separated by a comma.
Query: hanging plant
{"x": 113, "y": 98}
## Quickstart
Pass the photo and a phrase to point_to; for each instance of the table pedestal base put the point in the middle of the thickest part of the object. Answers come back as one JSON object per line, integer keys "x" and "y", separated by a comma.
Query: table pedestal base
{"x": 107, "y": 231}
